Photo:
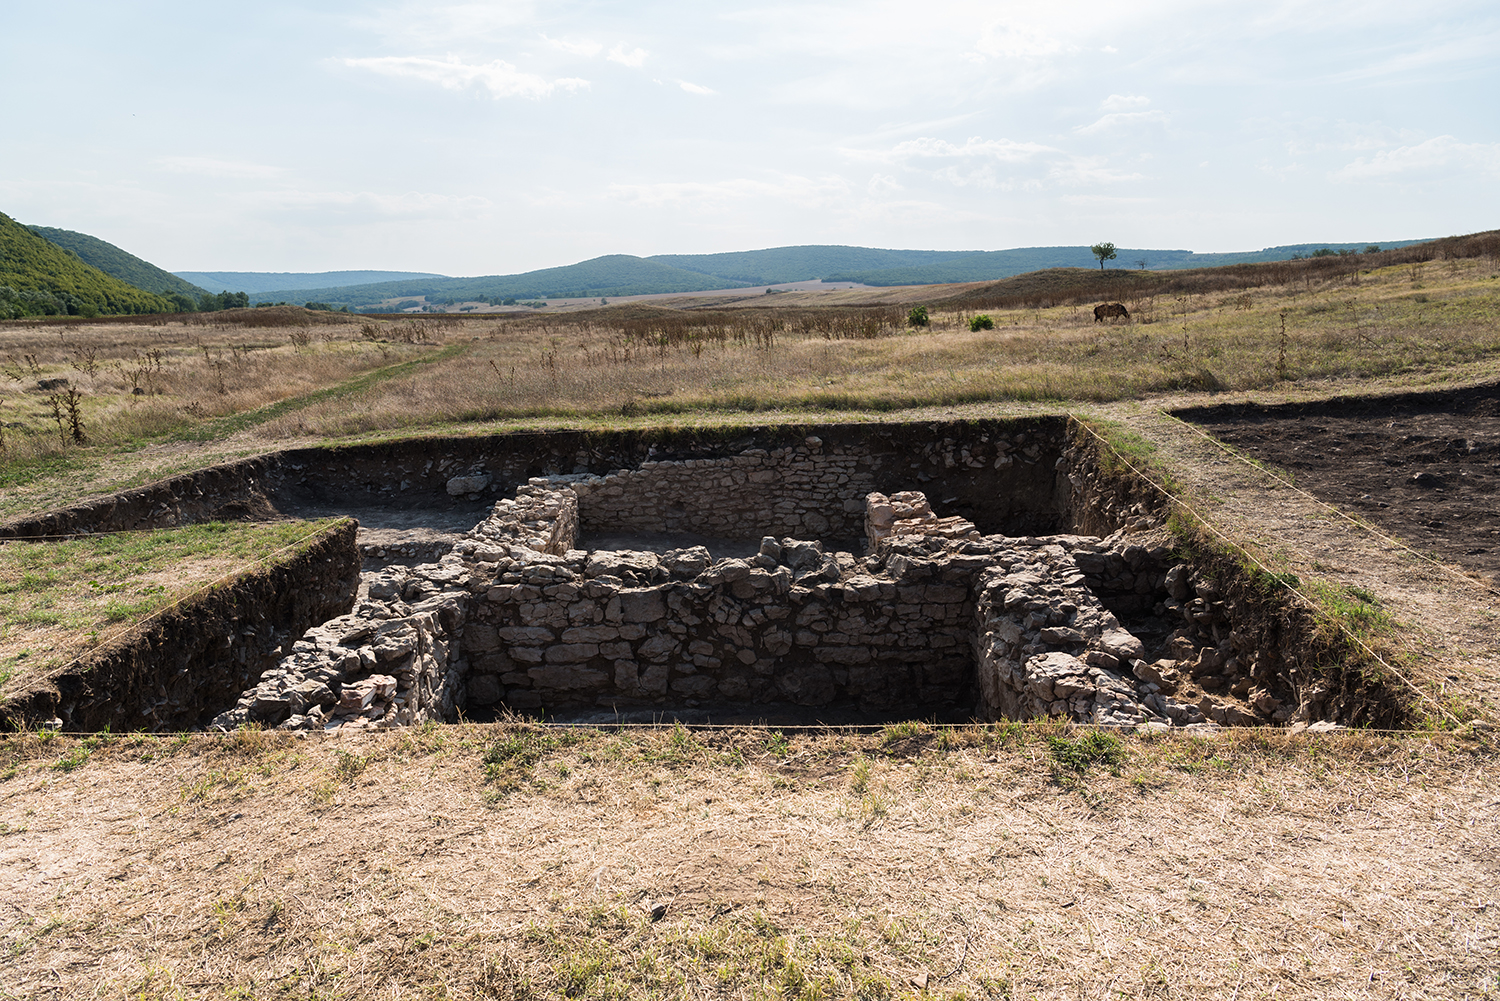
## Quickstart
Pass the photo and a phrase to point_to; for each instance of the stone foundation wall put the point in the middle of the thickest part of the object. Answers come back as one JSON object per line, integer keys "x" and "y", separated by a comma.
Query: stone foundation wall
{"x": 391, "y": 661}
{"x": 804, "y": 491}
{"x": 794, "y": 624}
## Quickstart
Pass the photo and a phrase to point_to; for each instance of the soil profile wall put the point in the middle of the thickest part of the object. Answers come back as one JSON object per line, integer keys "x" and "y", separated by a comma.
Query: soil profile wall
{"x": 191, "y": 660}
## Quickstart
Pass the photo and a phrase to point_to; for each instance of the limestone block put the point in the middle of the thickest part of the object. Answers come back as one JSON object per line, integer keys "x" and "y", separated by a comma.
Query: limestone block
{"x": 590, "y": 634}
{"x": 694, "y": 686}
{"x": 645, "y": 605}
{"x": 658, "y": 647}
{"x": 484, "y": 690}
{"x": 571, "y": 653}
{"x": 627, "y": 675}
{"x": 566, "y": 677}
{"x": 654, "y": 678}
{"x": 526, "y": 635}
{"x": 479, "y": 638}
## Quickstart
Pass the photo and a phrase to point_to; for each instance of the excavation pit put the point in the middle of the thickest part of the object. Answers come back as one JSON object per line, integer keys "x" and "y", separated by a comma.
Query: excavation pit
{"x": 756, "y": 576}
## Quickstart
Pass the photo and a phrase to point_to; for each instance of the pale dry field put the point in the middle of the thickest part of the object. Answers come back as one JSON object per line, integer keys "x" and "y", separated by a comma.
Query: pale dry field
{"x": 936, "y": 864}
{"x": 1390, "y": 327}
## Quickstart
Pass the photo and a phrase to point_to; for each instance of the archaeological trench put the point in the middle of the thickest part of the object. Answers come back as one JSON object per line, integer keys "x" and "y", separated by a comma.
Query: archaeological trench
{"x": 983, "y": 570}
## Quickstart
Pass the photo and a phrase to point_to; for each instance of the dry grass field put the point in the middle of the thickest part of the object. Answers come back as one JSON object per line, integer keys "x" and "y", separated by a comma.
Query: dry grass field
{"x": 506, "y": 861}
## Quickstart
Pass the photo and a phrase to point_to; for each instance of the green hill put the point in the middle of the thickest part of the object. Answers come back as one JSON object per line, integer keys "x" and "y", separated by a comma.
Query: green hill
{"x": 39, "y": 278}
{"x": 114, "y": 261}
{"x": 613, "y": 275}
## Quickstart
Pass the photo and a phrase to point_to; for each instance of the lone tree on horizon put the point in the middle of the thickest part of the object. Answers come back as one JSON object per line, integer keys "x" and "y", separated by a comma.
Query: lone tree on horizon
{"x": 1103, "y": 251}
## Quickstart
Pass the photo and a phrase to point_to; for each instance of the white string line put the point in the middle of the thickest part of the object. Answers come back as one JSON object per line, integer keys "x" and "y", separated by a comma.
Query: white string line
{"x": 1364, "y": 526}
{"x": 1275, "y": 576}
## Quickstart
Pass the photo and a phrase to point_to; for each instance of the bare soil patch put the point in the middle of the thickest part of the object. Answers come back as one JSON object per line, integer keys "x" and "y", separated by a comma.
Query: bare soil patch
{"x": 1424, "y": 467}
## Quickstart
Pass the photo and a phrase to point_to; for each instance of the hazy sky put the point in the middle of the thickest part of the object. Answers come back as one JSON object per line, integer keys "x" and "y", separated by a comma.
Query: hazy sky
{"x": 494, "y": 137}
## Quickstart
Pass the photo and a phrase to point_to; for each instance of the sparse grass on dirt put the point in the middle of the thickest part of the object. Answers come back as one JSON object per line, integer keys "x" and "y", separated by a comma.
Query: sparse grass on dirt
{"x": 920, "y": 862}
{"x": 61, "y": 598}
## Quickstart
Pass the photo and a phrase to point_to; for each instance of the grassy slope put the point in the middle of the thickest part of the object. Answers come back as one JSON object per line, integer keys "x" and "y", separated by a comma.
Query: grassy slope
{"x": 59, "y": 599}
{"x": 114, "y": 261}
{"x": 29, "y": 262}
{"x": 990, "y": 265}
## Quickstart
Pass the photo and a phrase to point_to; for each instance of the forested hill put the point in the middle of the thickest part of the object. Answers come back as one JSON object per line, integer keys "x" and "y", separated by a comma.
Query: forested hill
{"x": 119, "y": 263}
{"x": 39, "y": 278}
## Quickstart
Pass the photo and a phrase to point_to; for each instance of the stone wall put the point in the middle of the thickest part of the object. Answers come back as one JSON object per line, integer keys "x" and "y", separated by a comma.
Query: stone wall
{"x": 806, "y": 482}
{"x": 393, "y": 660}
{"x": 804, "y": 490}
{"x": 793, "y": 624}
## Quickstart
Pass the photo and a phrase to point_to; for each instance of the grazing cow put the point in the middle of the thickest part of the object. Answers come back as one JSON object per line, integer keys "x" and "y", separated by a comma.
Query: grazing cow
{"x": 1110, "y": 310}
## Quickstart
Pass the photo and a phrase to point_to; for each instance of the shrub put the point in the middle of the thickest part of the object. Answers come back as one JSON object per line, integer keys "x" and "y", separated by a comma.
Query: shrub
{"x": 981, "y": 322}
{"x": 1094, "y": 747}
{"x": 918, "y": 317}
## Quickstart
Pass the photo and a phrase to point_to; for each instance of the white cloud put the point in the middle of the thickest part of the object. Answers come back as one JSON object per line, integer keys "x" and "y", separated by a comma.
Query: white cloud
{"x": 421, "y": 204}
{"x": 1123, "y": 118}
{"x": 693, "y": 88}
{"x": 1003, "y": 150}
{"x": 209, "y": 167}
{"x": 802, "y": 191}
{"x": 1087, "y": 170}
{"x": 1123, "y": 102}
{"x": 883, "y": 184}
{"x": 499, "y": 77}
{"x": 1424, "y": 158}
{"x": 587, "y": 49}
{"x": 418, "y": 24}
{"x": 1013, "y": 41}
{"x": 634, "y": 58}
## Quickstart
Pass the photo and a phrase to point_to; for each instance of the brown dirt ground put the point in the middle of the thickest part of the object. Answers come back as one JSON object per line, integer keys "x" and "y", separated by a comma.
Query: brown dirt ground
{"x": 1251, "y": 866}
{"x": 1423, "y": 467}
{"x": 1448, "y": 642}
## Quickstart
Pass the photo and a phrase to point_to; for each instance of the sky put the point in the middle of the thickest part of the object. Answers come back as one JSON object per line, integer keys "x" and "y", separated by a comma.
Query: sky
{"x": 499, "y": 137}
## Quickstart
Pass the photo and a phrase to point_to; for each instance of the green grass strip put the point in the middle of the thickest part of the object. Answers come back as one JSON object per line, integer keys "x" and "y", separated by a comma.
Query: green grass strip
{"x": 223, "y": 427}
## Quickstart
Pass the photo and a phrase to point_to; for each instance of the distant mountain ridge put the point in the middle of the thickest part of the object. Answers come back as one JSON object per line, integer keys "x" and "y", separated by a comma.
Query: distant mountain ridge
{"x": 623, "y": 275}
{"x": 121, "y": 264}
{"x": 611, "y": 275}
{"x": 259, "y": 282}
{"x": 60, "y": 270}
{"x": 990, "y": 265}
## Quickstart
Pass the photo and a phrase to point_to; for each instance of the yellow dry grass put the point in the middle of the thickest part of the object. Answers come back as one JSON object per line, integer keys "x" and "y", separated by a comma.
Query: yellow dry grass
{"x": 914, "y": 863}
{"x": 187, "y": 375}
{"x": 1387, "y": 327}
